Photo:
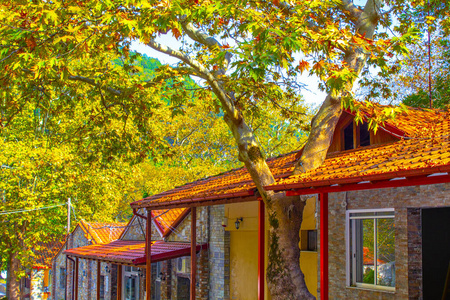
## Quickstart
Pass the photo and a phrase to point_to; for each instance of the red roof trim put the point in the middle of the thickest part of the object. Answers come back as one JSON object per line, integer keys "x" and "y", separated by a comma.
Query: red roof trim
{"x": 411, "y": 181}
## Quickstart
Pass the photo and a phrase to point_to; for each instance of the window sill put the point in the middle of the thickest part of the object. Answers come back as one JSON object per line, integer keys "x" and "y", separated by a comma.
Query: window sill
{"x": 370, "y": 289}
{"x": 308, "y": 251}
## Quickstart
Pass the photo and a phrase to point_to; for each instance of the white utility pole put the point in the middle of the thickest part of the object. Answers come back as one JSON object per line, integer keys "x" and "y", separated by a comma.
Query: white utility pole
{"x": 68, "y": 215}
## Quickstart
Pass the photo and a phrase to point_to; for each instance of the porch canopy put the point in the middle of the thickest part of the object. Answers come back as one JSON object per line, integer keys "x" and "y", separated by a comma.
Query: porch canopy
{"x": 133, "y": 252}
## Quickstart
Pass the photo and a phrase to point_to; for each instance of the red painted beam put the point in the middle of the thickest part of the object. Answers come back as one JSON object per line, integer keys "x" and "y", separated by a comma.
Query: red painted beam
{"x": 76, "y": 279}
{"x": 261, "y": 248}
{"x": 193, "y": 251}
{"x": 119, "y": 282}
{"x": 98, "y": 279}
{"x": 419, "y": 180}
{"x": 323, "y": 199}
{"x": 148, "y": 253}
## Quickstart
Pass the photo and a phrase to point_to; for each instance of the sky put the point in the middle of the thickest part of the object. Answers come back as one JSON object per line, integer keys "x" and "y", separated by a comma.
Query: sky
{"x": 313, "y": 96}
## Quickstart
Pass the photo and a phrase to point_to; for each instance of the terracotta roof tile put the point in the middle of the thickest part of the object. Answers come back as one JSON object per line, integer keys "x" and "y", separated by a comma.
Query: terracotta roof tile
{"x": 166, "y": 219}
{"x": 424, "y": 144}
{"x": 102, "y": 233}
{"x": 45, "y": 251}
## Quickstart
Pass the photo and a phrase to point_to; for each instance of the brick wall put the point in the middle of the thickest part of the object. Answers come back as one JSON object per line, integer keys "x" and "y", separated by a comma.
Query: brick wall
{"x": 405, "y": 201}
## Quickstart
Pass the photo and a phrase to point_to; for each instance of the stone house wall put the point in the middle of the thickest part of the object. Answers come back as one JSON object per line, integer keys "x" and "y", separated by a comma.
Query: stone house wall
{"x": 406, "y": 201}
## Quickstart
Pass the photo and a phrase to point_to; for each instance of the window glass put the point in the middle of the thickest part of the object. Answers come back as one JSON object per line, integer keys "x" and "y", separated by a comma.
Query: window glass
{"x": 102, "y": 287}
{"x": 62, "y": 277}
{"x": 385, "y": 252}
{"x": 364, "y": 135}
{"x": 372, "y": 248}
{"x": 348, "y": 137}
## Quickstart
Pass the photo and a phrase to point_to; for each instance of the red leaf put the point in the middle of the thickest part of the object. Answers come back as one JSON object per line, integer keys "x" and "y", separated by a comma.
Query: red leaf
{"x": 176, "y": 33}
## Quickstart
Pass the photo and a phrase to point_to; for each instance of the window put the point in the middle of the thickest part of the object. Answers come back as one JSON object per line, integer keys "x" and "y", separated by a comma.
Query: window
{"x": 102, "y": 287}
{"x": 355, "y": 136}
{"x": 348, "y": 137}
{"x": 371, "y": 248}
{"x": 27, "y": 282}
{"x": 62, "y": 277}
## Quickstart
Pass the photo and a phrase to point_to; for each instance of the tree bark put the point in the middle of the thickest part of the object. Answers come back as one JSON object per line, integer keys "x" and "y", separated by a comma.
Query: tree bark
{"x": 13, "y": 288}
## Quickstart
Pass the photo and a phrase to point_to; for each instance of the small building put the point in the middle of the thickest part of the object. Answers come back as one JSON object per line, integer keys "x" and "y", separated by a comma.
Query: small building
{"x": 37, "y": 284}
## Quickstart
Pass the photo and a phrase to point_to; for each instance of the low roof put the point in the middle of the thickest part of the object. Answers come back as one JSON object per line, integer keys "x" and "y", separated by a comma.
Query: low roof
{"x": 422, "y": 149}
{"x": 133, "y": 252}
{"x": 45, "y": 251}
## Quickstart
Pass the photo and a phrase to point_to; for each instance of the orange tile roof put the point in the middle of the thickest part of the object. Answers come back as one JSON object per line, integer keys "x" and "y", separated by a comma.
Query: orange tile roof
{"x": 102, "y": 233}
{"x": 167, "y": 219}
{"x": 132, "y": 252}
{"x": 424, "y": 145}
{"x": 45, "y": 251}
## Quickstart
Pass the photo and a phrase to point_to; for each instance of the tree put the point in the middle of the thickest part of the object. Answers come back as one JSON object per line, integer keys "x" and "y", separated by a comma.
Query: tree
{"x": 245, "y": 52}
{"x": 407, "y": 79}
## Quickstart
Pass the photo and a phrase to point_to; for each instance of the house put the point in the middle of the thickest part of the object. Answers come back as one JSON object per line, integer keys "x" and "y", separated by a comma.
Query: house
{"x": 85, "y": 233}
{"x": 38, "y": 283}
{"x": 382, "y": 198}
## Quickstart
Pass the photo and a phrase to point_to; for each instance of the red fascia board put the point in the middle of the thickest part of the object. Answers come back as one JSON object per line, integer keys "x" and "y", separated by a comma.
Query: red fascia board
{"x": 411, "y": 181}
{"x": 169, "y": 255}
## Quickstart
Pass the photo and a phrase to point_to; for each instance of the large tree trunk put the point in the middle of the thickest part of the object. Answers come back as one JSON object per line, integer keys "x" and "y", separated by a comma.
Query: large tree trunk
{"x": 284, "y": 276}
{"x": 13, "y": 284}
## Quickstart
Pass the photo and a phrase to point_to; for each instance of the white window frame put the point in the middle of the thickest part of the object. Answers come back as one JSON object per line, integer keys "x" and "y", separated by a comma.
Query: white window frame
{"x": 348, "y": 238}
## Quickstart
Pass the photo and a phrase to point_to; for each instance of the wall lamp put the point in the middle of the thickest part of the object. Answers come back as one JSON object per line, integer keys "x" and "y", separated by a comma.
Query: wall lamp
{"x": 238, "y": 222}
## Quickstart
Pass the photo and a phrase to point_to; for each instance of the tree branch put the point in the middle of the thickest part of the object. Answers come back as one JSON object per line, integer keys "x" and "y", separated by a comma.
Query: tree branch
{"x": 204, "y": 39}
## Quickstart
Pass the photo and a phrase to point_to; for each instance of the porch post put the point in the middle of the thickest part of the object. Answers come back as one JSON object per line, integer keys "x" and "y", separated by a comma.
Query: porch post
{"x": 98, "y": 280}
{"x": 193, "y": 250}
{"x": 76, "y": 279}
{"x": 323, "y": 198}
{"x": 119, "y": 282}
{"x": 148, "y": 254}
{"x": 261, "y": 249}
